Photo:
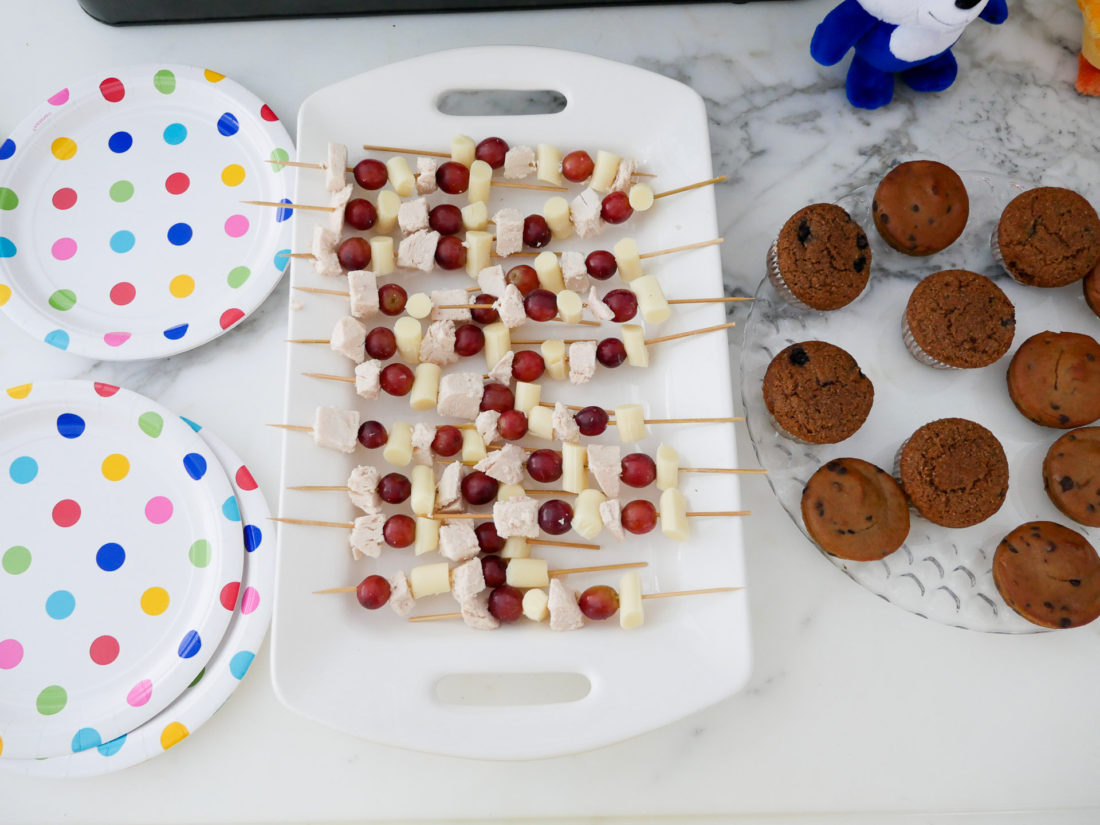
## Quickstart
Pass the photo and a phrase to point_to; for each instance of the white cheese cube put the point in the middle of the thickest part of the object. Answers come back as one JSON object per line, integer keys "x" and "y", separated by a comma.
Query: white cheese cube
{"x": 422, "y": 500}
{"x": 548, "y": 164}
{"x": 525, "y": 573}
{"x": 475, "y": 216}
{"x": 570, "y": 306}
{"x": 651, "y": 299}
{"x": 527, "y": 396}
{"x": 630, "y": 422}
{"x": 674, "y": 520}
{"x": 627, "y": 259}
{"x": 398, "y": 450}
{"x": 387, "y": 207}
{"x": 633, "y": 336}
{"x": 556, "y": 212}
{"x": 479, "y": 251}
{"x": 586, "y": 513}
{"x": 668, "y": 468}
{"x": 515, "y": 547}
{"x": 463, "y": 149}
{"x": 481, "y": 180}
{"x": 401, "y": 176}
{"x": 534, "y": 605}
{"x": 473, "y": 447}
{"x": 336, "y": 429}
{"x": 573, "y": 477}
{"x": 408, "y": 333}
{"x": 553, "y": 355}
{"x": 497, "y": 342}
{"x": 349, "y": 338}
{"x": 418, "y": 306}
{"x": 548, "y": 271}
{"x": 382, "y": 260}
{"x": 640, "y": 197}
{"x": 430, "y": 579}
{"x": 540, "y": 423}
{"x": 427, "y": 536}
{"x": 603, "y": 173}
{"x": 631, "y": 613}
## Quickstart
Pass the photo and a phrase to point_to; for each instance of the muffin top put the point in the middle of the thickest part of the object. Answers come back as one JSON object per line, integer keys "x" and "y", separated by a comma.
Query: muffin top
{"x": 1048, "y": 574}
{"x": 1054, "y": 379}
{"x": 921, "y": 207}
{"x": 1071, "y": 475}
{"x": 823, "y": 256}
{"x": 1049, "y": 237}
{"x": 1092, "y": 290}
{"x": 854, "y": 510}
{"x": 954, "y": 471}
{"x": 817, "y": 392}
{"x": 961, "y": 318}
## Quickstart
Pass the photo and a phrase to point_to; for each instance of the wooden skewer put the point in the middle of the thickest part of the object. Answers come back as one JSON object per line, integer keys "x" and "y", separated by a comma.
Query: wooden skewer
{"x": 281, "y": 205}
{"x": 688, "y": 333}
{"x": 690, "y": 186}
{"x": 305, "y": 522}
{"x": 301, "y": 165}
{"x": 397, "y": 150}
{"x": 708, "y": 300}
{"x": 684, "y": 248}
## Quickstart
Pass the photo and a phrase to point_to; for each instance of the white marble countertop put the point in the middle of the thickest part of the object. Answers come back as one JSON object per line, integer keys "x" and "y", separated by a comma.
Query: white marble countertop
{"x": 856, "y": 711}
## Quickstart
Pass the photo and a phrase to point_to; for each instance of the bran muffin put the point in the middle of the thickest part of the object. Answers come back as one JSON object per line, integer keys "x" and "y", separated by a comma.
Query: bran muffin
{"x": 1092, "y": 290}
{"x": 1048, "y": 574}
{"x": 1054, "y": 379}
{"x": 954, "y": 472}
{"x": 958, "y": 319}
{"x": 1047, "y": 237}
{"x": 855, "y": 511}
{"x": 921, "y": 207}
{"x": 1071, "y": 475}
{"x": 817, "y": 393}
{"x": 821, "y": 259}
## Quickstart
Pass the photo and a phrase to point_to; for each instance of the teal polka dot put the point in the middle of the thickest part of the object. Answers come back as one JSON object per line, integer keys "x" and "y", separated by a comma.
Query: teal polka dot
{"x": 240, "y": 663}
{"x": 86, "y": 738}
{"x": 175, "y": 134}
{"x": 7, "y": 248}
{"x": 58, "y": 338}
{"x": 60, "y": 604}
{"x": 23, "y": 470}
{"x": 112, "y": 747}
{"x": 122, "y": 241}
{"x": 230, "y": 509}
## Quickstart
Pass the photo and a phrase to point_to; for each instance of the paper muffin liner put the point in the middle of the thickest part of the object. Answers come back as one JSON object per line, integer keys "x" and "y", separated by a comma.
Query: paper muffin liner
{"x": 776, "y": 278}
{"x": 999, "y": 259}
{"x": 917, "y": 351}
{"x": 779, "y": 428}
{"x": 896, "y": 469}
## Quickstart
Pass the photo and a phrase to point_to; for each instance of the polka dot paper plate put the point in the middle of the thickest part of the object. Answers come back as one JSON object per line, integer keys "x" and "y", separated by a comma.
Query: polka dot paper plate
{"x": 252, "y": 600}
{"x": 122, "y": 232}
{"x": 121, "y": 537}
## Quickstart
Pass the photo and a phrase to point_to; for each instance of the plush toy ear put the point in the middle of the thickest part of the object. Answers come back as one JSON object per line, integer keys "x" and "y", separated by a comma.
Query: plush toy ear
{"x": 996, "y": 12}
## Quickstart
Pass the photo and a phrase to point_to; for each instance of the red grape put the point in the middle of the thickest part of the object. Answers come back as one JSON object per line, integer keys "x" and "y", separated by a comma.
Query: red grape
{"x": 371, "y": 174}
{"x": 506, "y": 603}
{"x": 513, "y": 425}
{"x": 497, "y": 397}
{"x": 541, "y": 305}
{"x": 354, "y": 253}
{"x": 592, "y": 421}
{"x": 373, "y": 592}
{"x": 479, "y": 488}
{"x": 527, "y": 365}
{"x": 381, "y": 343}
{"x": 536, "y": 231}
{"x": 524, "y": 277}
{"x": 600, "y": 264}
{"x": 493, "y": 567}
{"x": 555, "y": 516}
{"x": 639, "y": 516}
{"x": 638, "y": 470}
{"x": 391, "y": 299}
{"x": 487, "y": 315}
{"x": 611, "y": 352}
{"x": 492, "y": 150}
{"x": 616, "y": 208}
{"x": 453, "y": 178}
{"x": 446, "y": 219}
{"x": 399, "y": 530}
{"x": 393, "y": 488}
{"x": 447, "y": 441}
{"x": 599, "y": 602}
{"x": 372, "y": 435}
{"x": 488, "y": 539}
{"x": 360, "y": 213}
{"x": 544, "y": 466}
{"x": 450, "y": 253}
{"x": 623, "y": 303}
{"x": 469, "y": 340}
{"x": 577, "y": 166}
{"x": 396, "y": 379}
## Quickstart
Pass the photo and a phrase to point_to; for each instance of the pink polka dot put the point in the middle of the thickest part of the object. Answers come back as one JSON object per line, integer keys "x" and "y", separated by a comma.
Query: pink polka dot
{"x": 158, "y": 510}
{"x": 105, "y": 390}
{"x": 140, "y": 694}
{"x": 236, "y": 225}
{"x": 177, "y": 183}
{"x": 250, "y": 600}
{"x": 64, "y": 198}
{"x": 116, "y": 339}
{"x": 63, "y": 249}
{"x": 11, "y": 654}
{"x": 122, "y": 293}
{"x": 59, "y": 99}
{"x": 66, "y": 513}
{"x": 244, "y": 479}
{"x": 104, "y": 650}
{"x": 229, "y": 594}
{"x": 230, "y": 317}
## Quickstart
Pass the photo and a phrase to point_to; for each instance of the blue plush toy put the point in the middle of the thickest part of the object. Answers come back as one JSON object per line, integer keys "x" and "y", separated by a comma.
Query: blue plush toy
{"x": 910, "y": 38}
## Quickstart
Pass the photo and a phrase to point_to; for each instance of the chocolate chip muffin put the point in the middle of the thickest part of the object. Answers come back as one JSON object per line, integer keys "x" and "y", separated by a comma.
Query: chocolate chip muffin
{"x": 1071, "y": 475}
{"x": 921, "y": 207}
{"x": 1048, "y": 574}
{"x": 1047, "y": 237}
{"x": 954, "y": 472}
{"x": 821, "y": 259}
{"x": 817, "y": 393}
{"x": 855, "y": 511}
{"x": 1054, "y": 379}
{"x": 959, "y": 319}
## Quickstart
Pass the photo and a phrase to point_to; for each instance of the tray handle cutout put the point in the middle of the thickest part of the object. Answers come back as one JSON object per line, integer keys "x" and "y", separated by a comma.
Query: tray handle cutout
{"x": 500, "y": 102}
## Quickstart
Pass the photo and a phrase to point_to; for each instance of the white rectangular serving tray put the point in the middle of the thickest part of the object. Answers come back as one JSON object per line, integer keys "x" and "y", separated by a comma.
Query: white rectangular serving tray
{"x": 374, "y": 674}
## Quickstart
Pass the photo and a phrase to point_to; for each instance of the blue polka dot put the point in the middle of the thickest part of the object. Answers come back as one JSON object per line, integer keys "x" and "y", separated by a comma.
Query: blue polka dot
{"x": 195, "y": 465}
{"x": 175, "y": 134}
{"x": 230, "y": 509}
{"x": 70, "y": 425}
{"x": 283, "y": 214}
{"x": 176, "y": 332}
{"x": 7, "y": 247}
{"x": 194, "y": 426}
{"x": 179, "y": 234}
{"x": 86, "y": 738}
{"x": 57, "y": 338}
{"x": 112, "y": 747}
{"x": 253, "y": 537}
{"x": 120, "y": 142}
{"x": 110, "y": 557}
{"x": 282, "y": 258}
{"x": 122, "y": 241}
{"x": 7, "y": 149}
{"x": 23, "y": 470}
{"x": 240, "y": 663}
{"x": 190, "y": 645}
{"x": 60, "y": 604}
{"x": 227, "y": 124}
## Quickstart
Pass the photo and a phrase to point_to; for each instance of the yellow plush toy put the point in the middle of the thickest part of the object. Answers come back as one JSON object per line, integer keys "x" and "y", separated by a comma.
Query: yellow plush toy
{"x": 1088, "y": 63}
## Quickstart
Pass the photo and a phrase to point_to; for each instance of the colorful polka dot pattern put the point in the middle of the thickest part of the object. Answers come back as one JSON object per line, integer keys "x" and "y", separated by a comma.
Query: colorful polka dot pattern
{"x": 185, "y": 151}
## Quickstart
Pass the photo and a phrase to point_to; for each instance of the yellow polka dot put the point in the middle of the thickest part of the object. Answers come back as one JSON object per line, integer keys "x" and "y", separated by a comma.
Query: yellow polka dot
{"x": 5, "y": 294}
{"x": 173, "y": 734}
{"x": 154, "y": 601}
{"x": 63, "y": 148}
{"x": 116, "y": 467}
{"x": 182, "y": 286}
{"x": 22, "y": 391}
{"x": 1, "y": 745}
{"x": 212, "y": 75}
{"x": 233, "y": 174}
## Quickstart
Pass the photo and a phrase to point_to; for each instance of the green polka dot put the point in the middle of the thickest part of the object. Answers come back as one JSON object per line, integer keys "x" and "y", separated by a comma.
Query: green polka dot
{"x": 121, "y": 191}
{"x": 151, "y": 424}
{"x": 9, "y": 200}
{"x": 279, "y": 157}
{"x": 63, "y": 300}
{"x": 165, "y": 82}
{"x": 16, "y": 560}
{"x": 51, "y": 700}
{"x": 198, "y": 678}
{"x": 238, "y": 275}
{"x": 200, "y": 553}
